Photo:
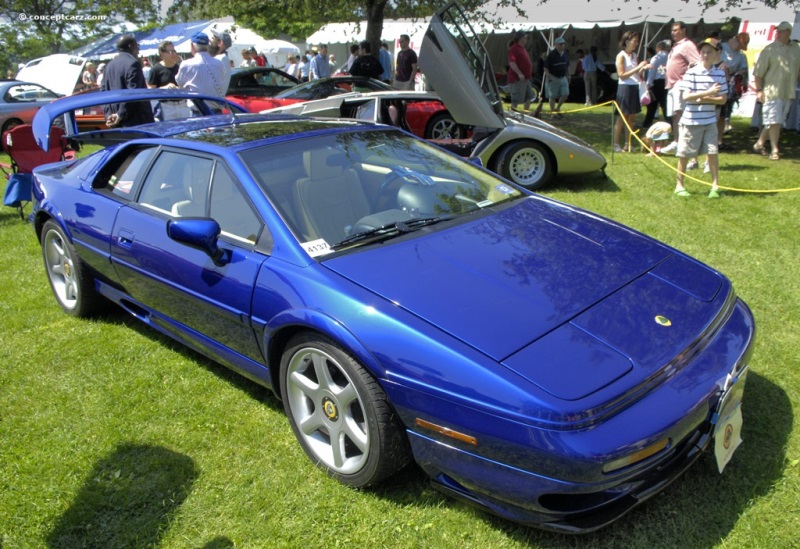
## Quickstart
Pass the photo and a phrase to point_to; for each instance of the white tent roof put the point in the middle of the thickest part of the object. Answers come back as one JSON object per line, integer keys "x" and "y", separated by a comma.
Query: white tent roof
{"x": 586, "y": 14}
{"x": 352, "y": 33}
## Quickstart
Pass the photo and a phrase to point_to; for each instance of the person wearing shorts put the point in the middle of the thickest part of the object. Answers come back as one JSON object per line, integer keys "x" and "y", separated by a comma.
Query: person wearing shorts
{"x": 682, "y": 55}
{"x": 776, "y": 73}
{"x": 519, "y": 72}
{"x": 556, "y": 67}
{"x": 704, "y": 88}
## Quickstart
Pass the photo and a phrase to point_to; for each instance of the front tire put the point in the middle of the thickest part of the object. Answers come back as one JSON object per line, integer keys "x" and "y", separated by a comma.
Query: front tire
{"x": 339, "y": 413}
{"x": 527, "y": 164}
{"x": 70, "y": 279}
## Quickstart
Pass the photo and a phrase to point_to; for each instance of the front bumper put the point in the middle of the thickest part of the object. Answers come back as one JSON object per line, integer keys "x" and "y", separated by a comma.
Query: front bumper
{"x": 519, "y": 487}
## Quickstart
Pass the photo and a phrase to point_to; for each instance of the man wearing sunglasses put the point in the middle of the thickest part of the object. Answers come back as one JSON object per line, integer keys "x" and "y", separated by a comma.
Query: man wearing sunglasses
{"x": 163, "y": 76}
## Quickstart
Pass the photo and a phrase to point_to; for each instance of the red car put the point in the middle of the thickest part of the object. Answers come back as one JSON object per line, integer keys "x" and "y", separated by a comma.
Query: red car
{"x": 426, "y": 119}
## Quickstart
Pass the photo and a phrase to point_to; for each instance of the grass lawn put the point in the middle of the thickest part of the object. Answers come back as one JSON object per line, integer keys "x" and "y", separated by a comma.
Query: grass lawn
{"x": 114, "y": 436}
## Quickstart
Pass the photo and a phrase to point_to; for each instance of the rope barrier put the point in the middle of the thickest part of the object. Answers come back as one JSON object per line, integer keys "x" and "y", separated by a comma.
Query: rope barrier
{"x": 632, "y": 133}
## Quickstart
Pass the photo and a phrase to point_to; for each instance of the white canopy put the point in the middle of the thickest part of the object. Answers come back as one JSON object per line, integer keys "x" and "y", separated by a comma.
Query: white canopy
{"x": 586, "y": 14}
{"x": 353, "y": 33}
{"x": 276, "y": 51}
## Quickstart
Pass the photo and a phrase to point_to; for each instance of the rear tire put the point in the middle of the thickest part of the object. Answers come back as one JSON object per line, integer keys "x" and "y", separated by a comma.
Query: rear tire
{"x": 443, "y": 126}
{"x": 69, "y": 277}
{"x": 339, "y": 413}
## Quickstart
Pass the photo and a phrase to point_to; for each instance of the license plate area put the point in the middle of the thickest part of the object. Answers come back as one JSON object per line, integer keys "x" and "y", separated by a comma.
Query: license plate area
{"x": 728, "y": 419}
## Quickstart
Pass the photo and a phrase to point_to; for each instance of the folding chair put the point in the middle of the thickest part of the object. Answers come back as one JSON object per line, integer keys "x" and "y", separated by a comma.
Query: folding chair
{"x": 26, "y": 155}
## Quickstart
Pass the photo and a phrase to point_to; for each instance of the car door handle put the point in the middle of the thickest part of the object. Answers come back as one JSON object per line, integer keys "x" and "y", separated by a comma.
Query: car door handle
{"x": 125, "y": 238}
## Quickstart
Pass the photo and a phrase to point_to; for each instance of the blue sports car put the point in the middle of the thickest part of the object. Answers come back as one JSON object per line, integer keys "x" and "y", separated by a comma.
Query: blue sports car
{"x": 549, "y": 365}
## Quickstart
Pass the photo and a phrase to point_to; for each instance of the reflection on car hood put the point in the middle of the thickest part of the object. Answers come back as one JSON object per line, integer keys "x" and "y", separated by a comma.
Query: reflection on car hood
{"x": 503, "y": 281}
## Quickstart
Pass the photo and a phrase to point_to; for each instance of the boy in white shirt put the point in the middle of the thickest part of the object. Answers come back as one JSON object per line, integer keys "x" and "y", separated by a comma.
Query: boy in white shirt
{"x": 704, "y": 87}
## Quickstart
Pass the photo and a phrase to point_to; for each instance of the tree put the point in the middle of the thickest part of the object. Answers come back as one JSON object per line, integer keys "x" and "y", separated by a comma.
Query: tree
{"x": 42, "y": 27}
{"x": 300, "y": 18}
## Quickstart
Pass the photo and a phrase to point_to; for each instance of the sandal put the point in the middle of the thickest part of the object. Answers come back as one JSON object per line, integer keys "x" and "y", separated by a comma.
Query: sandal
{"x": 683, "y": 193}
{"x": 759, "y": 149}
{"x": 774, "y": 156}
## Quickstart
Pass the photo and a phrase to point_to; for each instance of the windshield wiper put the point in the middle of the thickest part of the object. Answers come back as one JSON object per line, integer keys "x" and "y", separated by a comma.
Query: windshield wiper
{"x": 387, "y": 231}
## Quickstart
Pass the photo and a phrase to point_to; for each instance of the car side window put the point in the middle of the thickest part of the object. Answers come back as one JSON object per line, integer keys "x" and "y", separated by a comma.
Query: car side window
{"x": 178, "y": 185}
{"x": 231, "y": 209}
{"x": 121, "y": 181}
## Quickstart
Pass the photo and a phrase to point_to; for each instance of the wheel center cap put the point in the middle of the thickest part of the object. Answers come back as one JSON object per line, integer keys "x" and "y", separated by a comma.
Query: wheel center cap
{"x": 329, "y": 408}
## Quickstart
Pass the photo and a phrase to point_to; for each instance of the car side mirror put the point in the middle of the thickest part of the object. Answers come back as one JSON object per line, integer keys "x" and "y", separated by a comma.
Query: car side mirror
{"x": 201, "y": 233}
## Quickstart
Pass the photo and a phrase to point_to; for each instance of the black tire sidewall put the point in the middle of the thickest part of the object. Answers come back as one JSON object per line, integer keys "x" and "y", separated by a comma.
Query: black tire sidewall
{"x": 503, "y": 159}
{"x": 87, "y": 302}
{"x": 379, "y": 464}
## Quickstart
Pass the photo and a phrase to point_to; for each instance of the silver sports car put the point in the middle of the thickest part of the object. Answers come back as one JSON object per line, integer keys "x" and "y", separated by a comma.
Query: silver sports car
{"x": 519, "y": 147}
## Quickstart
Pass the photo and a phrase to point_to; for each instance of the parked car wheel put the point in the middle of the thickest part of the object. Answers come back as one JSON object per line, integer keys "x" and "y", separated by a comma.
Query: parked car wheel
{"x": 339, "y": 412}
{"x": 527, "y": 164}
{"x": 10, "y": 124}
{"x": 69, "y": 277}
{"x": 442, "y": 126}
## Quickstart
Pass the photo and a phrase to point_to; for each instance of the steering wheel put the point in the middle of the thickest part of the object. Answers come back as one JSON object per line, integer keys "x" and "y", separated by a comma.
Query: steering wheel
{"x": 402, "y": 174}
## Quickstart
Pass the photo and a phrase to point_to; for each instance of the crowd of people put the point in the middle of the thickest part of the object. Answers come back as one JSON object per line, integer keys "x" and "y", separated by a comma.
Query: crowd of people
{"x": 696, "y": 87}
{"x": 208, "y": 71}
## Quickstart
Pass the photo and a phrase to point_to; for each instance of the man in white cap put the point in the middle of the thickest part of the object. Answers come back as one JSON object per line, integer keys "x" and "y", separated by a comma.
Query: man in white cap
{"x": 218, "y": 46}
{"x": 776, "y": 72}
{"x": 202, "y": 73}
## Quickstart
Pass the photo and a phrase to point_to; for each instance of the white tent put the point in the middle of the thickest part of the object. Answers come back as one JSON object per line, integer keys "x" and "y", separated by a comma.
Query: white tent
{"x": 585, "y": 14}
{"x": 585, "y": 23}
{"x": 180, "y": 35}
{"x": 652, "y": 19}
{"x": 276, "y": 51}
{"x": 339, "y": 36}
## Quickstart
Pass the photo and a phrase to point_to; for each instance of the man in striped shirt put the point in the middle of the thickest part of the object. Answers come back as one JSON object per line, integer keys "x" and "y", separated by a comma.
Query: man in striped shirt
{"x": 704, "y": 87}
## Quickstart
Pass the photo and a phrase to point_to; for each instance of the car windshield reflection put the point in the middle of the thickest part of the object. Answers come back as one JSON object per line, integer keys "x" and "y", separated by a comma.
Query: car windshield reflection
{"x": 339, "y": 186}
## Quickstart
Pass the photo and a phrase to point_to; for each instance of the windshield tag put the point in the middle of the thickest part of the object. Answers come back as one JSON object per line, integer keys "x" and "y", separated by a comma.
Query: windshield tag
{"x": 505, "y": 189}
{"x": 317, "y": 247}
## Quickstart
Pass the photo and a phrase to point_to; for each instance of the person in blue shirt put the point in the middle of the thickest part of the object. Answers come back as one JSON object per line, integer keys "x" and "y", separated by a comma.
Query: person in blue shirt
{"x": 386, "y": 62}
{"x": 591, "y": 64}
{"x": 656, "y": 83}
{"x": 320, "y": 67}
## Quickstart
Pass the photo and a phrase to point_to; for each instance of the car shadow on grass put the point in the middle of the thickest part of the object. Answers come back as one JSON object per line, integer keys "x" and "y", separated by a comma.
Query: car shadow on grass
{"x": 594, "y": 182}
{"x": 701, "y": 505}
{"x": 128, "y": 500}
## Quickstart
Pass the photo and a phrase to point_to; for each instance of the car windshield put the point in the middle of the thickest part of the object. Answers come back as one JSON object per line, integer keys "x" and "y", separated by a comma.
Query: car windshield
{"x": 371, "y": 182}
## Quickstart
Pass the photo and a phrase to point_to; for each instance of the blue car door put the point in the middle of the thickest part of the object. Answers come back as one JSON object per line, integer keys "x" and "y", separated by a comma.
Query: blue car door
{"x": 183, "y": 291}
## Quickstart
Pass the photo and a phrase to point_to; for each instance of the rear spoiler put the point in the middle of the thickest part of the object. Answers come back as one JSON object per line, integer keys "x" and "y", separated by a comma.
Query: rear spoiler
{"x": 46, "y": 115}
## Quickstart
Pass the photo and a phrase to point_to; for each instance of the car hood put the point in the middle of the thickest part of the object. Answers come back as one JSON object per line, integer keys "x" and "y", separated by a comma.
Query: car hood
{"x": 59, "y": 72}
{"x": 458, "y": 67}
{"x": 505, "y": 280}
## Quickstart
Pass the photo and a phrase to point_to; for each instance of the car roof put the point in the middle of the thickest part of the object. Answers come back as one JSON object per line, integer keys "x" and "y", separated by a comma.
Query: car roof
{"x": 229, "y": 130}
{"x": 251, "y": 130}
